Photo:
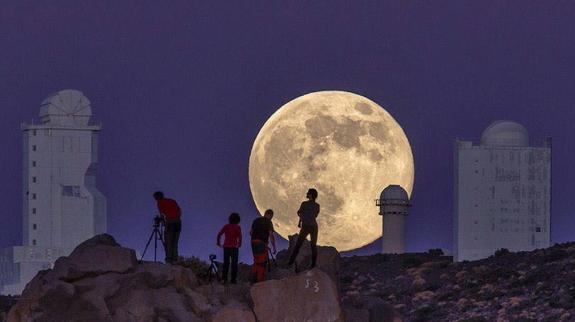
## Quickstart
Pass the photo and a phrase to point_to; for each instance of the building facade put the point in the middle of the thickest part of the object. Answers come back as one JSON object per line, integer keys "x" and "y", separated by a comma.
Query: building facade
{"x": 502, "y": 193}
{"x": 61, "y": 205}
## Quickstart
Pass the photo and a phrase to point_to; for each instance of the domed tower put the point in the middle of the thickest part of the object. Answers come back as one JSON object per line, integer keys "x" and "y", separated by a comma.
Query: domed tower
{"x": 505, "y": 133}
{"x": 62, "y": 206}
{"x": 393, "y": 206}
{"x": 502, "y": 193}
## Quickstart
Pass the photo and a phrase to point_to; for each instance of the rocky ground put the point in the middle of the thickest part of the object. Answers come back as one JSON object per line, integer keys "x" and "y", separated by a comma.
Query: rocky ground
{"x": 524, "y": 286}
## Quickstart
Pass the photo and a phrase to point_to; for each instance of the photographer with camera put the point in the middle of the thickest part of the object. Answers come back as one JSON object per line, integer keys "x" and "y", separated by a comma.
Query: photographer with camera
{"x": 171, "y": 215}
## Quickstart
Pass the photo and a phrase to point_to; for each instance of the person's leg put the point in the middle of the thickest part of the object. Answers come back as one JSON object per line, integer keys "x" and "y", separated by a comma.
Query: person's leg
{"x": 313, "y": 236}
{"x": 227, "y": 255}
{"x": 258, "y": 269}
{"x": 176, "y": 239}
{"x": 301, "y": 237}
{"x": 168, "y": 237}
{"x": 234, "y": 256}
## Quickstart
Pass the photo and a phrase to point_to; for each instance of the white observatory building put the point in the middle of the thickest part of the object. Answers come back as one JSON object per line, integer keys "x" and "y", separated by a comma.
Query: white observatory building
{"x": 61, "y": 205}
{"x": 502, "y": 193}
{"x": 393, "y": 206}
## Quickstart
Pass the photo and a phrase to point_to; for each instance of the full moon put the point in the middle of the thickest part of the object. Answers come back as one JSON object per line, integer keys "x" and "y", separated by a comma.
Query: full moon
{"x": 342, "y": 144}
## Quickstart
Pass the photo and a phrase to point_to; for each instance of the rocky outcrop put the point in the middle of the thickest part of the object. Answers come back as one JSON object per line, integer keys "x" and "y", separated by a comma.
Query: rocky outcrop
{"x": 310, "y": 296}
{"x": 102, "y": 281}
{"x": 328, "y": 258}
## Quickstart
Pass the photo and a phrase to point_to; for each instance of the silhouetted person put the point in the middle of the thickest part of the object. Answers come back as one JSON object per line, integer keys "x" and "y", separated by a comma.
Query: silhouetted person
{"x": 232, "y": 242}
{"x": 171, "y": 212}
{"x": 308, "y": 212}
{"x": 262, "y": 231}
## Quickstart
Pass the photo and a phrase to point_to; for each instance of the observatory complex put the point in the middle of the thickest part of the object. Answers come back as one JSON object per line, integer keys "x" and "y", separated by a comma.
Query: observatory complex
{"x": 502, "y": 193}
{"x": 61, "y": 204}
{"x": 393, "y": 206}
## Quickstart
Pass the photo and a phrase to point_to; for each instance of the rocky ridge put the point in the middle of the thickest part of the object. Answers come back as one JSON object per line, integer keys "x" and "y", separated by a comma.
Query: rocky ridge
{"x": 102, "y": 281}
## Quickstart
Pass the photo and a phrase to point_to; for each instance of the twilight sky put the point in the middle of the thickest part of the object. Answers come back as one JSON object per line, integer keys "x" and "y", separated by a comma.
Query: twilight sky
{"x": 182, "y": 90}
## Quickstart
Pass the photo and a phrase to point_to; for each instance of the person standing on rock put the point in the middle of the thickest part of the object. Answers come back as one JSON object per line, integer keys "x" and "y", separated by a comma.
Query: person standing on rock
{"x": 232, "y": 243}
{"x": 308, "y": 212}
{"x": 171, "y": 212}
{"x": 262, "y": 231}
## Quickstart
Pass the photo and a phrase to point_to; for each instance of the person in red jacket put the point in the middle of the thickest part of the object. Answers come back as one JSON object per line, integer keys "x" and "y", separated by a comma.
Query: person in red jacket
{"x": 171, "y": 212}
{"x": 232, "y": 243}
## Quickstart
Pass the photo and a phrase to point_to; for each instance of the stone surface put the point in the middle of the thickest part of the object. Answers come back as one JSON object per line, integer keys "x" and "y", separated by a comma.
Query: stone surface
{"x": 311, "y": 295}
{"x": 236, "y": 312}
{"x": 98, "y": 255}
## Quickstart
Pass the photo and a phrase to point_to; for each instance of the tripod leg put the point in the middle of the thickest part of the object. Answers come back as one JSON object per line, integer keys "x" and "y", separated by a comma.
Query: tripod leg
{"x": 147, "y": 245}
{"x": 155, "y": 243}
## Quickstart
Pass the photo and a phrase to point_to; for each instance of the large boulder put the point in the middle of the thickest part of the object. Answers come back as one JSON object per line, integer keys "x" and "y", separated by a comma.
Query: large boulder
{"x": 328, "y": 258}
{"x": 97, "y": 255}
{"x": 309, "y": 296}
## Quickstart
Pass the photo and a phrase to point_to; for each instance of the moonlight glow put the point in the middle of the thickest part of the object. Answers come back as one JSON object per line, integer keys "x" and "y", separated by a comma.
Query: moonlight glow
{"x": 344, "y": 145}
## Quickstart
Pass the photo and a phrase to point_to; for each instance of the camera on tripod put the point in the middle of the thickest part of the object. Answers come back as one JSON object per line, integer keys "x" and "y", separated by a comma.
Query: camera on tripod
{"x": 157, "y": 235}
{"x": 212, "y": 257}
{"x": 158, "y": 220}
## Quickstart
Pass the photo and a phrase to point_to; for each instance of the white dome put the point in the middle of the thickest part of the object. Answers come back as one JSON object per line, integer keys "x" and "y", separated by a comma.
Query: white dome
{"x": 505, "y": 133}
{"x": 68, "y": 107}
{"x": 394, "y": 192}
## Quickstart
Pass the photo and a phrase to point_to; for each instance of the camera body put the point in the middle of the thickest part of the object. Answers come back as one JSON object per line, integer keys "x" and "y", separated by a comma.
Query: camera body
{"x": 158, "y": 220}
{"x": 212, "y": 257}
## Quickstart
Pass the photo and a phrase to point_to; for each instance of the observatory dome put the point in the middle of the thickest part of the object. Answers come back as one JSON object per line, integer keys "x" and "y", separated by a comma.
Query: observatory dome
{"x": 505, "y": 133}
{"x": 394, "y": 193}
{"x": 68, "y": 107}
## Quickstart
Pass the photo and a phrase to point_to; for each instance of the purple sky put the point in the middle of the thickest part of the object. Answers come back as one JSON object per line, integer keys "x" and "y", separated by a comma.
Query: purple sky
{"x": 182, "y": 91}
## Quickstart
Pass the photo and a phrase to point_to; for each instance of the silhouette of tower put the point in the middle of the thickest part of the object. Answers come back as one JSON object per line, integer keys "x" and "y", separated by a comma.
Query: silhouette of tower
{"x": 393, "y": 206}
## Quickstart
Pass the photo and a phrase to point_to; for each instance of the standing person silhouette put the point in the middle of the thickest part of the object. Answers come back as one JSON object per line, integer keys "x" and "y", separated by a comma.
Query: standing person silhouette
{"x": 232, "y": 244}
{"x": 171, "y": 212}
{"x": 308, "y": 212}
{"x": 262, "y": 231}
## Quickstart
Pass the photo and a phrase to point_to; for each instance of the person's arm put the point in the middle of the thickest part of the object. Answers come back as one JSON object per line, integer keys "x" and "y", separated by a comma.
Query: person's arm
{"x": 317, "y": 213}
{"x": 219, "y": 237}
{"x": 300, "y": 210}
{"x": 273, "y": 240}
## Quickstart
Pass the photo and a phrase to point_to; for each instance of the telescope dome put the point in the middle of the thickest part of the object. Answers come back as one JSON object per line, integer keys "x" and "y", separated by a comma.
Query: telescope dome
{"x": 505, "y": 133}
{"x": 394, "y": 193}
{"x": 68, "y": 107}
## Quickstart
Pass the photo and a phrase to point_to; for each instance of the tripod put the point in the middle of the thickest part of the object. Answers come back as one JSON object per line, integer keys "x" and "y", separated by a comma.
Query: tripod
{"x": 273, "y": 261}
{"x": 156, "y": 235}
{"x": 213, "y": 270}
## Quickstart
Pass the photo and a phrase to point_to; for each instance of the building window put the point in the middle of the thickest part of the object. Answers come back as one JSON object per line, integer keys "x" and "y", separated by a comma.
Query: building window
{"x": 537, "y": 229}
{"x": 33, "y": 196}
{"x": 33, "y": 211}
{"x": 34, "y": 132}
{"x": 33, "y": 148}
{"x": 34, "y": 180}
{"x": 34, "y": 242}
{"x": 71, "y": 191}
{"x": 33, "y": 164}
{"x": 34, "y": 226}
